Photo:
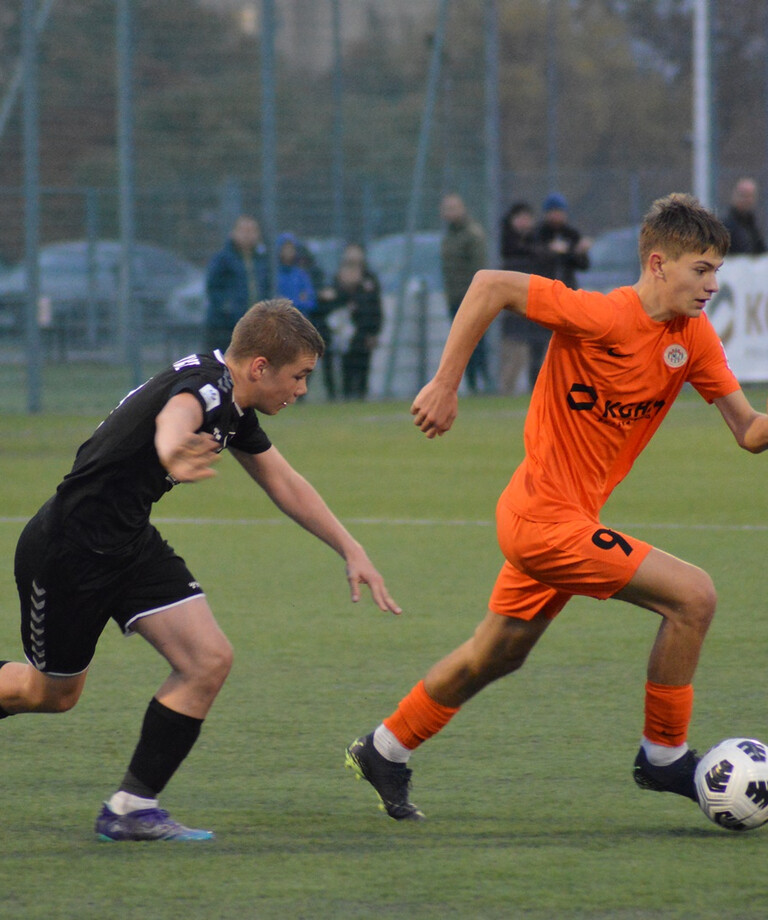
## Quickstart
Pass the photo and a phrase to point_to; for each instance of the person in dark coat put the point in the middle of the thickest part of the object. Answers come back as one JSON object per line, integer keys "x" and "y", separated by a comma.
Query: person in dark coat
{"x": 352, "y": 315}
{"x": 518, "y": 254}
{"x": 237, "y": 278}
{"x": 746, "y": 238}
{"x": 562, "y": 251}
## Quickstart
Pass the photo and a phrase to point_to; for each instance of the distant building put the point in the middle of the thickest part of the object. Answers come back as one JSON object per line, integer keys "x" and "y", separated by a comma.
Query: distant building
{"x": 304, "y": 27}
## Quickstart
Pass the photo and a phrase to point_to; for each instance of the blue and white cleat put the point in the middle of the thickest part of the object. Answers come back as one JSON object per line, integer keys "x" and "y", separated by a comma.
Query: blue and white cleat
{"x": 147, "y": 824}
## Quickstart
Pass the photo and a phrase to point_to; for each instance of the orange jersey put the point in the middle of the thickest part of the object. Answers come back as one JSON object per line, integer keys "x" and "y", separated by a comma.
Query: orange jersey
{"x": 610, "y": 376}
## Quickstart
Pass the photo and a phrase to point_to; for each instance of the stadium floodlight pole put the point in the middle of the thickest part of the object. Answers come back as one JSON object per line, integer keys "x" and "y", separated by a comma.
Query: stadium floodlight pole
{"x": 15, "y": 85}
{"x": 765, "y": 107}
{"x": 269, "y": 135}
{"x": 702, "y": 104}
{"x": 31, "y": 204}
{"x": 129, "y": 309}
{"x": 492, "y": 131}
{"x": 339, "y": 228}
{"x": 492, "y": 128}
{"x": 552, "y": 81}
{"x": 417, "y": 187}
{"x": 91, "y": 237}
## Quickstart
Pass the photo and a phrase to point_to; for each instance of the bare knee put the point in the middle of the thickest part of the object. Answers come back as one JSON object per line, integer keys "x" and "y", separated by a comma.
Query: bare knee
{"x": 682, "y": 593}
{"x": 212, "y": 665}
{"x": 501, "y": 645}
{"x": 46, "y": 694}
{"x": 60, "y": 703}
{"x": 697, "y": 604}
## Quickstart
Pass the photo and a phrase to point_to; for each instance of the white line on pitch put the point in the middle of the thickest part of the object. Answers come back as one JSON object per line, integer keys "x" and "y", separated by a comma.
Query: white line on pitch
{"x": 427, "y": 522}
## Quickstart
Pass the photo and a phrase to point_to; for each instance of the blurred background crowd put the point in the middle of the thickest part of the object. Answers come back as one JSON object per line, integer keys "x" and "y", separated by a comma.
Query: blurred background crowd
{"x": 342, "y": 145}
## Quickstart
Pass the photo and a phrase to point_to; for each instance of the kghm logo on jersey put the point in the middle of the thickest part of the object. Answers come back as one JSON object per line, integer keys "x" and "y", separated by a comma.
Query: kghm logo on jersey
{"x": 583, "y": 397}
{"x": 675, "y": 356}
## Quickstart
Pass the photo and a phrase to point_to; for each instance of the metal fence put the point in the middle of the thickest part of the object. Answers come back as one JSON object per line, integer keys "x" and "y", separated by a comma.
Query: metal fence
{"x": 118, "y": 122}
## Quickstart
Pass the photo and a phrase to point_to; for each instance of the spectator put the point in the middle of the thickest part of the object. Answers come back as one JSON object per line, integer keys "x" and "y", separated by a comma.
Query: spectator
{"x": 293, "y": 281}
{"x": 351, "y": 308}
{"x": 519, "y": 254}
{"x": 237, "y": 278}
{"x": 562, "y": 249}
{"x": 562, "y": 252}
{"x": 305, "y": 259}
{"x": 741, "y": 221}
{"x": 462, "y": 254}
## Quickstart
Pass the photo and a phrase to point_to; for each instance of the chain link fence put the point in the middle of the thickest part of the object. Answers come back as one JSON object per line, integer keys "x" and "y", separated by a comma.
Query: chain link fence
{"x": 348, "y": 85}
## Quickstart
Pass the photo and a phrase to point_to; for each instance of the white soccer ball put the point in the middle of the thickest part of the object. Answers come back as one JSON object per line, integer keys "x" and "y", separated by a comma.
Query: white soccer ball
{"x": 732, "y": 783}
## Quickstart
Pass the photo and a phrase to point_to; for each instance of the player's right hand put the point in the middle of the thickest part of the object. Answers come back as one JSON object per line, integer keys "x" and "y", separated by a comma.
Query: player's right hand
{"x": 192, "y": 458}
{"x": 435, "y": 408}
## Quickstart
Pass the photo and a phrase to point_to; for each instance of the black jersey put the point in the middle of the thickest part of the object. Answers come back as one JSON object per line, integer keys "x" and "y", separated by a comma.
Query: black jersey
{"x": 104, "y": 502}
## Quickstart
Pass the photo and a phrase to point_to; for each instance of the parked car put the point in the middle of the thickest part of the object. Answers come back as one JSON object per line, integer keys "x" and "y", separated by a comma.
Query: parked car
{"x": 387, "y": 254}
{"x": 79, "y": 284}
{"x": 186, "y": 304}
{"x": 613, "y": 260}
{"x": 415, "y": 330}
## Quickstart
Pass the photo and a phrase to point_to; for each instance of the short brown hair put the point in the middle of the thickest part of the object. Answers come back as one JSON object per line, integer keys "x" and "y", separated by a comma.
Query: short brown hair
{"x": 678, "y": 224}
{"x": 277, "y": 331}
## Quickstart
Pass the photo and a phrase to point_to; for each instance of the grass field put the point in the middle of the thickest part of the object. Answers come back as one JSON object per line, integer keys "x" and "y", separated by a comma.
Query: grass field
{"x": 531, "y": 809}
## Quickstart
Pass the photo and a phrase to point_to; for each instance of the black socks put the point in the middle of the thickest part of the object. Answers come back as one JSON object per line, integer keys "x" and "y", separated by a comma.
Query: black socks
{"x": 166, "y": 738}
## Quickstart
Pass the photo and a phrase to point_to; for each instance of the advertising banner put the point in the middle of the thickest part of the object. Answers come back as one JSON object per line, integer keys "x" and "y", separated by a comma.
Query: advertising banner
{"x": 739, "y": 313}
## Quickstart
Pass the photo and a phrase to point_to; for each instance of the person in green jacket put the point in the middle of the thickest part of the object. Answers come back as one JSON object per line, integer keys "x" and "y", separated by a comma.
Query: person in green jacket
{"x": 462, "y": 253}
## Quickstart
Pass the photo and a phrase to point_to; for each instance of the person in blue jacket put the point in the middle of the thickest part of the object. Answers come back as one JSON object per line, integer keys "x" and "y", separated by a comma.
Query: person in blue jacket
{"x": 293, "y": 281}
{"x": 237, "y": 278}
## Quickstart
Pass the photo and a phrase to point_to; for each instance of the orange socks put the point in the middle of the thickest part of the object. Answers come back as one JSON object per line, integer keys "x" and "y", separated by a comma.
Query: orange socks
{"x": 418, "y": 717}
{"x": 667, "y": 713}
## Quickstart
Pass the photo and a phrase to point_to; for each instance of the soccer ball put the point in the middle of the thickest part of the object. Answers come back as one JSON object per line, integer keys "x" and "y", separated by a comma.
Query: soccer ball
{"x": 732, "y": 783}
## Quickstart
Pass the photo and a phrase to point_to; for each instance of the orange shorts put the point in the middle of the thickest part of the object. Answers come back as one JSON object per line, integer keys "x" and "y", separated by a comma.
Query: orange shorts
{"x": 547, "y": 563}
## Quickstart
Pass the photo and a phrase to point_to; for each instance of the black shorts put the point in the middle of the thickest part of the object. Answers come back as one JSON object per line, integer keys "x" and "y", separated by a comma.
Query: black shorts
{"x": 68, "y": 593}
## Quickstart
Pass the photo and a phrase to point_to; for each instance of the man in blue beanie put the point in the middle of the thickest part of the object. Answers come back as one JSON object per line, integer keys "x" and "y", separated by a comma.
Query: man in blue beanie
{"x": 562, "y": 248}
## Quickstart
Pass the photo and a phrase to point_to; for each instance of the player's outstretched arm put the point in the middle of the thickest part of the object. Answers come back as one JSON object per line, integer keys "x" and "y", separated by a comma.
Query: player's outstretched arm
{"x": 749, "y": 427}
{"x": 187, "y": 455}
{"x": 297, "y": 498}
{"x": 490, "y": 292}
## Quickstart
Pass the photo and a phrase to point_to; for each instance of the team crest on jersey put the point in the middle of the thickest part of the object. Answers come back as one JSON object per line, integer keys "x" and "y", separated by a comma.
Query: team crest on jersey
{"x": 211, "y": 396}
{"x": 675, "y": 356}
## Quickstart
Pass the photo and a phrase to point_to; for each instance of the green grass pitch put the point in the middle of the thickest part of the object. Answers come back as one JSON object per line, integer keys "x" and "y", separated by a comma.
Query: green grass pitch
{"x": 531, "y": 809}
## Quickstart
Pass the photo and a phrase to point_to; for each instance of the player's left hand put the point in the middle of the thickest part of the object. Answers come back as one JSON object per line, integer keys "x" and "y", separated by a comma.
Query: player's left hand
{"x": 361, "y": 571}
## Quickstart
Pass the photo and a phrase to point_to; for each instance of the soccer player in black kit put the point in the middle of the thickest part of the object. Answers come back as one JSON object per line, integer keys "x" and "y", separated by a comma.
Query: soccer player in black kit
{"x": 90, "y": 554}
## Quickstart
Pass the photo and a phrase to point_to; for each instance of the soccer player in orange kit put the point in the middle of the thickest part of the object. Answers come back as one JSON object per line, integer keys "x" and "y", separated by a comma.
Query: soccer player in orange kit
{"x": 614, "y": 367}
